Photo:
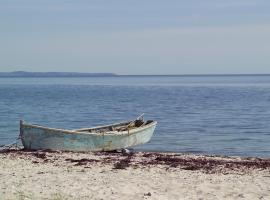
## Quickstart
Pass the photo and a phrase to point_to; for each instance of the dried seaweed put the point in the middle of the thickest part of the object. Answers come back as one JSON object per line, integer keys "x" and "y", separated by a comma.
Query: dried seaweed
{"x": 123, "y": 160}
{"x": 82, "y": 161}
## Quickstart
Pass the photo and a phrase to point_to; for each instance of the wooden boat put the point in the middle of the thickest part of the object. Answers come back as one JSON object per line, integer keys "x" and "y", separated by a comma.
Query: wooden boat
{"x": 102, "y": 138}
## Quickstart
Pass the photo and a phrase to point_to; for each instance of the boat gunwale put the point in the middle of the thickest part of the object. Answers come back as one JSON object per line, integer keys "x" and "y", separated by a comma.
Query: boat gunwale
{"x": 111, "y": 133}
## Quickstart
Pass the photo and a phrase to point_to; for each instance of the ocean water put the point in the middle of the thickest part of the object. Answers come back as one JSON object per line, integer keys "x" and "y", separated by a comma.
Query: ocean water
{"x": 221, "y": 115}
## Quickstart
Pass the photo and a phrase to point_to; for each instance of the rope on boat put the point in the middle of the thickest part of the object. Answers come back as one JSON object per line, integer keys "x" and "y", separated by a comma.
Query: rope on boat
{"x": 14, "y": 145}
{"x": 8, "y": 145}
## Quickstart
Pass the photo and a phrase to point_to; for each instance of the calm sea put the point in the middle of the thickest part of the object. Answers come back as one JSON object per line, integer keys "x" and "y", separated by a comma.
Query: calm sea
{"x": 228, "y": 115}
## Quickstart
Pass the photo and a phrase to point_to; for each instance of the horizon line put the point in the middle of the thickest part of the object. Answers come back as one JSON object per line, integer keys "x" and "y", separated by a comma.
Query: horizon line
{"x": 58, "y": 73}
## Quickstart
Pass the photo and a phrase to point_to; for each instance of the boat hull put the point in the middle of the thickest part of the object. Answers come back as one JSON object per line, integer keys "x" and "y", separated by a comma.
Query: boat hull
{"x": 40, "y": 138}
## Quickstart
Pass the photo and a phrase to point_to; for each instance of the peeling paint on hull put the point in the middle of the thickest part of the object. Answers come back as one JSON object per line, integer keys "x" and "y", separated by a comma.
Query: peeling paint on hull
{"x": 36, "y": 137}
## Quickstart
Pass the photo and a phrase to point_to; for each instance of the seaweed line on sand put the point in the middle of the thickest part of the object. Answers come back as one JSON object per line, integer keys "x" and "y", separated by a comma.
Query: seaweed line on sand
{"x": 207, "y": 164}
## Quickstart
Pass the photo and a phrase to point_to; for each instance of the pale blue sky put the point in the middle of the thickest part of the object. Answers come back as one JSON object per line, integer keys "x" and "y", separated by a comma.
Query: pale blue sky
{"x": 136, "y": 37}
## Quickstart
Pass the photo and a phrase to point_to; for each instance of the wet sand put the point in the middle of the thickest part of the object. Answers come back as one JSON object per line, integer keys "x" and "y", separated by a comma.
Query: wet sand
{"x": 67, "y": 175}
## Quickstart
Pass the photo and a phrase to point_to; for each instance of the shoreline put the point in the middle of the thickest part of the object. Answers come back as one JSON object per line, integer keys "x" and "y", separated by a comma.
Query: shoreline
{"x": 138, "y": 175}
{"x": 151, "y": 158}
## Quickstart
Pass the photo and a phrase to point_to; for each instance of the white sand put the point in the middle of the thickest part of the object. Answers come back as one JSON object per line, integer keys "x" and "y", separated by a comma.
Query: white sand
{"x": 25, "y": 176}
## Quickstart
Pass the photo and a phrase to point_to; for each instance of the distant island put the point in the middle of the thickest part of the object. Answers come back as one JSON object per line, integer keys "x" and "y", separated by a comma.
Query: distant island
{"x": 54, "y": 74}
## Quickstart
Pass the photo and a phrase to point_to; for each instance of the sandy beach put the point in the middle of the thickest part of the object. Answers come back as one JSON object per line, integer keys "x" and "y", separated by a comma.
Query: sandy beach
{"x": 67, "y": 175}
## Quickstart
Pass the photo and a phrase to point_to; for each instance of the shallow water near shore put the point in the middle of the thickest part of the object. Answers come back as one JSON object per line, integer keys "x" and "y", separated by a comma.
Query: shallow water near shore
{"x": 224, "y": 115}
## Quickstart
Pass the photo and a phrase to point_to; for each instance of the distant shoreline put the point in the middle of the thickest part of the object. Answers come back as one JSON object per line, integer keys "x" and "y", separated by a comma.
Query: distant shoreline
{"x": 24, "y": 74}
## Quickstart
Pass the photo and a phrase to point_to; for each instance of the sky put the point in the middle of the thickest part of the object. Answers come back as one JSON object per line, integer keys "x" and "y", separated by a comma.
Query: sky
{"x": 136, "y": 37}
